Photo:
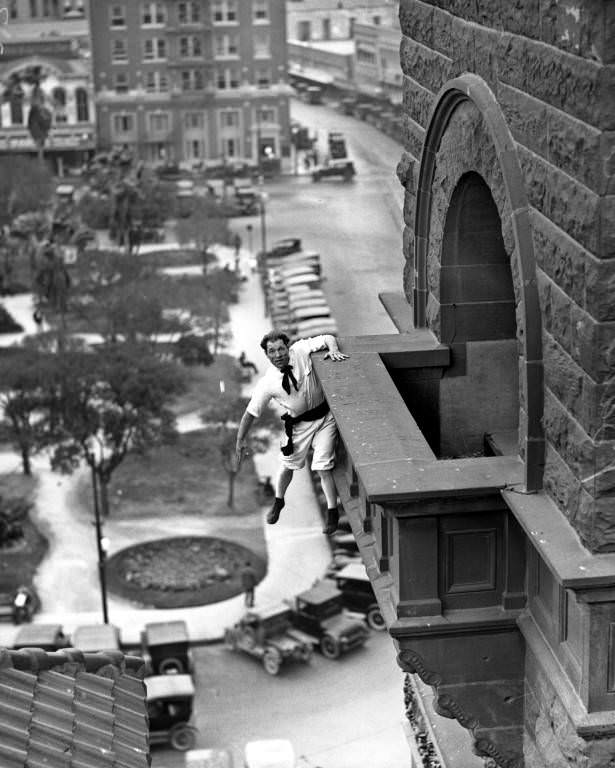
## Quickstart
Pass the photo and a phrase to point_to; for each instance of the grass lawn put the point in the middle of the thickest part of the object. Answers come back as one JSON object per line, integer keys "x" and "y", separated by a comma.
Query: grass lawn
{"x": 18, "y": 563}
{"x": 204, "y": 384}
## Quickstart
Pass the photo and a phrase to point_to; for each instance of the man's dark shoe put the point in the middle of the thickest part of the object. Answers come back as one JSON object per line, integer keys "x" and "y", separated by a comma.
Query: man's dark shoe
{"x": 274, "y": 513}
{"x": 332, "y": 521}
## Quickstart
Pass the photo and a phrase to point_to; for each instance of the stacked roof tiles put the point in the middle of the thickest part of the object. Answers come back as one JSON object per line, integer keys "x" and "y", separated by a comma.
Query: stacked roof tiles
{"x": 68, "y": 709}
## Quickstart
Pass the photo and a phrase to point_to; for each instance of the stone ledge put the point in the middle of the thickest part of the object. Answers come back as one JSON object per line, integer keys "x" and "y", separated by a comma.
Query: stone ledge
{"x": 408, "y": 479}
{"x": 558, "y": 544}
{"x": 596, "y": 724}
{"x": 398, "y": 309}
{"x": 458, "y": 622}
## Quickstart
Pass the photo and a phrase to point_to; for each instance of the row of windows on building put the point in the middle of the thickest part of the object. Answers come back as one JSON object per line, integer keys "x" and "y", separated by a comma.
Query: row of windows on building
{"x": 190, "y": 46}
{"x": 161, "y": 122}
{"x": 17, "y": 107}
{"x": 47, "y": 9}
{"x": 156, "y": 13}
{"x": 156, "y": 81}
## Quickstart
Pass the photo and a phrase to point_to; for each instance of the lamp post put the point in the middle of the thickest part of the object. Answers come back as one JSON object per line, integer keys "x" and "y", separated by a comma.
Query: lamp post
{"x": 249, "y": 228}
{"x": 102, "y": 545}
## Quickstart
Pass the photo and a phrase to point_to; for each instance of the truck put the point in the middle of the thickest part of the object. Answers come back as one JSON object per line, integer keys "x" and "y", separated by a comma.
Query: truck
{"x": 319, "y": 615}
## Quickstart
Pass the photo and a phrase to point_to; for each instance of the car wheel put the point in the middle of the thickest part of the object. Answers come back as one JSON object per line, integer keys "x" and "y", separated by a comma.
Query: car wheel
{"x": 330, "y": 647}
{"x": 230, "y": 641}
{"x": 272, "y": 661}
{"x": 170, "y": 666}
{"x": 315, "y": 177}
{"x": 182, "y": 737}
{"x": 374, "y": 619}
{"x": 347, "y": 176}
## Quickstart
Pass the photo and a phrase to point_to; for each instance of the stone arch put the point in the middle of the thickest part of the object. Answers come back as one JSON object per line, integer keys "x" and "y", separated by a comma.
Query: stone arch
{"x": 498, "y": 163}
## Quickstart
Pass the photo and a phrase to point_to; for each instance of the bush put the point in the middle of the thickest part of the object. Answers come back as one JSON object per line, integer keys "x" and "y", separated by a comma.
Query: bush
{"x": 193, "y": 350}
{"x": 13, "y": 513}
{"x": 95, "y": 210}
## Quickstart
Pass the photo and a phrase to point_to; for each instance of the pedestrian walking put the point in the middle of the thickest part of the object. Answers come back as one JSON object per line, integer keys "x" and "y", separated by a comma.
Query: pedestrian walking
{"x": 308, "y": 423}
{"x": 248, "y": 582}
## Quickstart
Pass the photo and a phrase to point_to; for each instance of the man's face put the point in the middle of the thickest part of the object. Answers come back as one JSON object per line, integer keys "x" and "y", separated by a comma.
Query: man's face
{"x": 277, "y": 352}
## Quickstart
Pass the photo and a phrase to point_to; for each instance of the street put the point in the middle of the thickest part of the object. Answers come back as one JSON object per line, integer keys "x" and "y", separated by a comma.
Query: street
{"x": 347, "y": 712}
{"x": 336, "y": 713}
{"x": 356, "y": 226}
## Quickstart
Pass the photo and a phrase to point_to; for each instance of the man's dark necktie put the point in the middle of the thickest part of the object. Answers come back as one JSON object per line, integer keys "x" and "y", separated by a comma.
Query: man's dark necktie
{"x": 287, "y": 377}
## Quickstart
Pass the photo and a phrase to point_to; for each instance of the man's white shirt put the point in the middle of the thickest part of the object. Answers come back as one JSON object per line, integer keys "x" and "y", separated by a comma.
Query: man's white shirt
{"x": 309, "y": 393}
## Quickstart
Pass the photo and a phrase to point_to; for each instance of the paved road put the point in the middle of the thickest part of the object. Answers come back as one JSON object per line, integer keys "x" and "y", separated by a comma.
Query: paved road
{"x": 339, "y": 714}
{"x": 356, "y": 227}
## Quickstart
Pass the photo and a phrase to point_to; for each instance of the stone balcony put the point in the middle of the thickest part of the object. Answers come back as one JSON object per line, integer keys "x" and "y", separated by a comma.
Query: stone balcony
{"x": 476, "y": 577}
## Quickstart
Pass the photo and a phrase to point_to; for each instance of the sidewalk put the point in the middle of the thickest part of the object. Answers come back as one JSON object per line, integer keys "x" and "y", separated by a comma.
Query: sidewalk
{"x": 67, "y": 580}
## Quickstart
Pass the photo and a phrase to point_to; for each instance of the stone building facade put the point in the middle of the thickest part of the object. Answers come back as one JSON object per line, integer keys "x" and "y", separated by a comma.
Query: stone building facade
{"x": 478, "y": 464}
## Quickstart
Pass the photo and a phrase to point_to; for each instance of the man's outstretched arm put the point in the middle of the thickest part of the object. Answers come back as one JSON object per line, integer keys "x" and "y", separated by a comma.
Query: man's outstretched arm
{"x": 333, "y": 350}
{"x": 242, "y": 432}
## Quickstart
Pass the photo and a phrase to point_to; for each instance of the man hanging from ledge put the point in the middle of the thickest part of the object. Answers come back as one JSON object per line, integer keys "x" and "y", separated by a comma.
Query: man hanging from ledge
{"x": 293, "y": 384}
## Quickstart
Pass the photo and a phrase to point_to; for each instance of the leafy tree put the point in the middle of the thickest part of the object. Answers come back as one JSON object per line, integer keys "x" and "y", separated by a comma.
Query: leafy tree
{"x": 205, "y": 226}
{"x": 25, "y": 185}
{"x": 221, "y": 418}
{"x": 110, "y": 402}
{"x": 27, "y": 376}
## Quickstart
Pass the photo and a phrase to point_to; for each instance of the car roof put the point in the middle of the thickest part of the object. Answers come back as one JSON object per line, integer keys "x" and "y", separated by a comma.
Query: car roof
{"x": 163, "y": 686}
{"x": 308, "y": 312}
{"x": 96, "y": 637}
{"x": 32, "y": 634}
{"x": 159, "y": 633}
{"x": 269, "y": 753}
{"x": 353, "y": 571}
{"x": 268, "y": 611}
{"x": 321, "y": 592}
{"x": 208, "y": 758}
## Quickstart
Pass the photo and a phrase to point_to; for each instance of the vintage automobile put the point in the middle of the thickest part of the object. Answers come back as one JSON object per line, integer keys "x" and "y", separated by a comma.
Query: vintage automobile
{"x": 319, "y": 613}
{"x": 169, "y": 709}
{"x": 96, "y": 637}
{"x": 344, "y": 168}
{"x": 166, "y": 648}
{"x": 358, "y": 595}
{"x": 19, "y": 606}
{"x": 49, "y": 637}
{"x": 269, "y": 636}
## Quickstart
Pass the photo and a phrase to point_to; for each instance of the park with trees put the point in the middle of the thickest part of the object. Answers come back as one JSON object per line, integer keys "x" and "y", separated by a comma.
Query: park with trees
{"x": 131, "y": 342}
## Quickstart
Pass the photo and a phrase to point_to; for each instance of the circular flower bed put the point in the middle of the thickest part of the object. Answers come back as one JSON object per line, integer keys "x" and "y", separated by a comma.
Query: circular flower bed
{"x": 180, "y": 572}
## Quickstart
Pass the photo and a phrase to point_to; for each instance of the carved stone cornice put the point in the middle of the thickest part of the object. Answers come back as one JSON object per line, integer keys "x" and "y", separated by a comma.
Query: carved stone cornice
{"x": 447, "y": 706}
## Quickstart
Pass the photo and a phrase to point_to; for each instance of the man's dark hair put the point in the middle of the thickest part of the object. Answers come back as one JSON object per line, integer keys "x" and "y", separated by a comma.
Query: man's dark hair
{"x": 274, "y": 336}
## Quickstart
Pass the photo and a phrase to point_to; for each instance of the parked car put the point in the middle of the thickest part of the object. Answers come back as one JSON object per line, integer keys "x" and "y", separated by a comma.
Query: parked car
{"x": 320, "y": 614}
{"x": 358, "y": 594}
{"x": 169, "y": 707}
{"x": 168, "y": 171}
{"x": 315, "y": 327}
{"x": 49, "y": 637}
{"x": 91, "y": 638}
{"x": 269, "y": 636}
{"x": 343, "y": 168}
{"x": 166, "y": 648}
{"x": 246, "y": 200}
{"x": 284, "y": 247}
{"x": 269, "y": 753}
{"x": 19, "y": 606}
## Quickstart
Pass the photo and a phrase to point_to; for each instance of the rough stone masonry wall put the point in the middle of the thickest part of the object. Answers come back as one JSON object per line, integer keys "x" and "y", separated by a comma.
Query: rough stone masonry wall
{"x": 551, "y": 65}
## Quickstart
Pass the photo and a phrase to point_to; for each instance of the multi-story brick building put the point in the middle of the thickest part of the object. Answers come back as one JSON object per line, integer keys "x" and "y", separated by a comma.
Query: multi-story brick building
{"x": 194, "y": 81}
{"x": 47, "y": 42}
{"x": 480, "y": 440}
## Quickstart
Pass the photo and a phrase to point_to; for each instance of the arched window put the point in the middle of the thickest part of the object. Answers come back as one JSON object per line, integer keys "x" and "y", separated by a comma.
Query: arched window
{"x": 83, "y": 109}
{"x": 17, "y": 108}
{"x": 59, "y": 97}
